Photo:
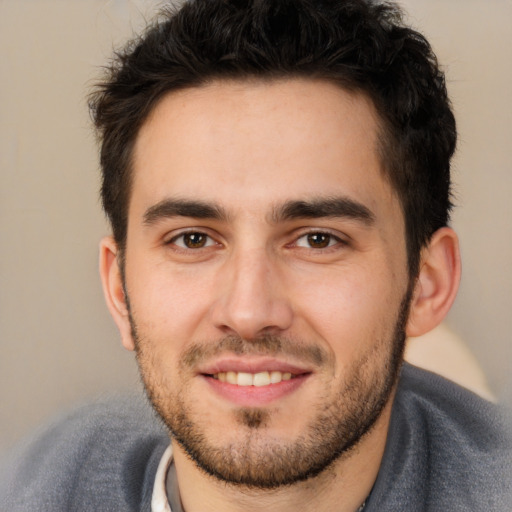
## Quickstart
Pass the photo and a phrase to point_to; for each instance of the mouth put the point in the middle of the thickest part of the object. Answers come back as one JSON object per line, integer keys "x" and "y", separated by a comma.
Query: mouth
{"x": 254, "y": 383}
{"x": 259, "y": 379}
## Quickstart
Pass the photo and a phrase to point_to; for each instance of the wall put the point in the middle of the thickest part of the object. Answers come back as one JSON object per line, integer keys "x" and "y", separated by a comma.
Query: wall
{"x": 57, "y": 342}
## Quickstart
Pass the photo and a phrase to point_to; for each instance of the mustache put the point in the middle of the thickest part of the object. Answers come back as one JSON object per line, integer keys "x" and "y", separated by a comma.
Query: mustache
{"x": 264, "y": 345}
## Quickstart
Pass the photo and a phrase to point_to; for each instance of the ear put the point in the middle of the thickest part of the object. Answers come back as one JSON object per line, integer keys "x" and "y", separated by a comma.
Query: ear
{"x": 113, "y": 290}
{"x": 437, "y": 282}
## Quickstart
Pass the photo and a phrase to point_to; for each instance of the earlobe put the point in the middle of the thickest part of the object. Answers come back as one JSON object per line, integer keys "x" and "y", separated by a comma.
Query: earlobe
{"x": 113, "y": 289}
{"x": 437, "y": 282}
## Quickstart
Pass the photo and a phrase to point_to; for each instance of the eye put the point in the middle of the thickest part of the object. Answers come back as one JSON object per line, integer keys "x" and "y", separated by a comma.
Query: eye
{"x": 192, "y": 240}
{"x": 317, "y": 240}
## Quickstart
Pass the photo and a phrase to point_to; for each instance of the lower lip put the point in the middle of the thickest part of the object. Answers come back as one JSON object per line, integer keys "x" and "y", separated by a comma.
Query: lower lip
{"x": 254, "y": 396}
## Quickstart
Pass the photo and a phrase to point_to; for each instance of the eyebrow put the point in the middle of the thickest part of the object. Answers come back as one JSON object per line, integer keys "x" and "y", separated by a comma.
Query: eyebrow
{"x": 290, "y": 210}
{"x": 168, "y": 208}
{"x": 324, "y": 207}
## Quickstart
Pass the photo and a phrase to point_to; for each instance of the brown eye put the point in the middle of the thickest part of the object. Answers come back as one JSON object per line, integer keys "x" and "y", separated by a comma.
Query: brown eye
{"x": 319, "y": 240}
{"x": 194, "y": 240}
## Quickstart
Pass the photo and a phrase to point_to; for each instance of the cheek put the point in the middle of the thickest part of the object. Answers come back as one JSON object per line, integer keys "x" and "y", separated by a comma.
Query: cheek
{"x": 350, "y": 309}
{"x": 168, "y": 306}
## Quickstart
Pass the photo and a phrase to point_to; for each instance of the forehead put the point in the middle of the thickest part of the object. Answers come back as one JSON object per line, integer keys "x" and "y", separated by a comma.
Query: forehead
{"x": 256, "y": 143}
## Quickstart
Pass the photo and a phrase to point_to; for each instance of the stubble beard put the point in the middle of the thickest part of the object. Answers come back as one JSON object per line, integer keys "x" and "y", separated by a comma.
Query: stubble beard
{"x": 253, "y": 459}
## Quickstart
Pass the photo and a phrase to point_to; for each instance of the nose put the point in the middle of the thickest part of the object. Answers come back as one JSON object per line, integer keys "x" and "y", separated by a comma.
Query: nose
{"x": 252, "y": 297}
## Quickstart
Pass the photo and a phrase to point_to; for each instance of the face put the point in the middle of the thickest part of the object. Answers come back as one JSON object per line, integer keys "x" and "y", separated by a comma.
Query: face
{"x": 266, "y": 275}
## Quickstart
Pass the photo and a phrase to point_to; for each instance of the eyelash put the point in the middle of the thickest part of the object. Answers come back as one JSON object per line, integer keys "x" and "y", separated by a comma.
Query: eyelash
{"x": 332, "y": 241}
{"x": 173, "y": 241}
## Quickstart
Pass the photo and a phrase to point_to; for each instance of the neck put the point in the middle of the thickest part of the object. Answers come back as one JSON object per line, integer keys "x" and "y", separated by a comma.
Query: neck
{"x": 343, "y": 486}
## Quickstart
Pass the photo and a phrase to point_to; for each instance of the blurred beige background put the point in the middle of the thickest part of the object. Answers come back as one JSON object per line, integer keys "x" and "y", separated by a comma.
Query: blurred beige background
{"x": 57, "y": 342}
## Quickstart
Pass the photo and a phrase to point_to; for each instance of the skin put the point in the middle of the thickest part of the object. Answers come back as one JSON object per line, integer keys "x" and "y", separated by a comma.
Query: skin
{"x": 249, "y": 149}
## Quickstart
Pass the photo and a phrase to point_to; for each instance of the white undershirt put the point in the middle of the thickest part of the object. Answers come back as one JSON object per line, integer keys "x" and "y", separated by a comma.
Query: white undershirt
{"x": 159, "y": 501}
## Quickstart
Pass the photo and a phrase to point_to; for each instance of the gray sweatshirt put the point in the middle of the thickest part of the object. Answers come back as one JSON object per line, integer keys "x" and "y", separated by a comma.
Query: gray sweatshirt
{"x": 447, "y": 451}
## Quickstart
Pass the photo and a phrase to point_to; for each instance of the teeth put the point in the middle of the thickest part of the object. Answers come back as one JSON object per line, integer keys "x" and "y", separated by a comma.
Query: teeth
{"x": 252, "y": 379}
{"x": 231, "y": 377}
{"x": 275, "y": 377}
{"x": 244, "y": 379}
{"x": 261, "y": 379}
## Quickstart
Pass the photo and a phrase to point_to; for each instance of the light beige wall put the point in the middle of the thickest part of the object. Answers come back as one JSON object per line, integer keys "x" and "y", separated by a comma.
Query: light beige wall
{"x": 473, "y": 39}
{"x": 57, "y": 343}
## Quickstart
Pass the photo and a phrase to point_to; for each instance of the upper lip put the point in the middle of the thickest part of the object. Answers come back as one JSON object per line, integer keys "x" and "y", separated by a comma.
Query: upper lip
{"x": 250, "y": 365}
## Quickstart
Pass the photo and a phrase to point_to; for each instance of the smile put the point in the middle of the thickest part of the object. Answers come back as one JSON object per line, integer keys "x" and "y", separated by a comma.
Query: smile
{"x": 256, "y": 389}
{"x": 253, "y": 379}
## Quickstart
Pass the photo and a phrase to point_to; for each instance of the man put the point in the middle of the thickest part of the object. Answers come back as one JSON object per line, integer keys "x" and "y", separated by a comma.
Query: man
{"x": 277, "y": 177}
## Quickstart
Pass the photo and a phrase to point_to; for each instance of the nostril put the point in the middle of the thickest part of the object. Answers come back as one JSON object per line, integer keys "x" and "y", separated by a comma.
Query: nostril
{"x": 249, "y": 304}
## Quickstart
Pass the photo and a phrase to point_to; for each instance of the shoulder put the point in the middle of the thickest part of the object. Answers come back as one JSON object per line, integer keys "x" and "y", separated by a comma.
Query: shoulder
{"x": 435, "y": 404}
{"x": 432, "y": 390}
{"x": 447, "y": 449}
{"x": 98, "y": 457}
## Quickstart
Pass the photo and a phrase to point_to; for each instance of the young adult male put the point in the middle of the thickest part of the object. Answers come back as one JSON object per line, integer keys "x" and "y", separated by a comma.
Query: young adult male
{"x": 277, "y": 177}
